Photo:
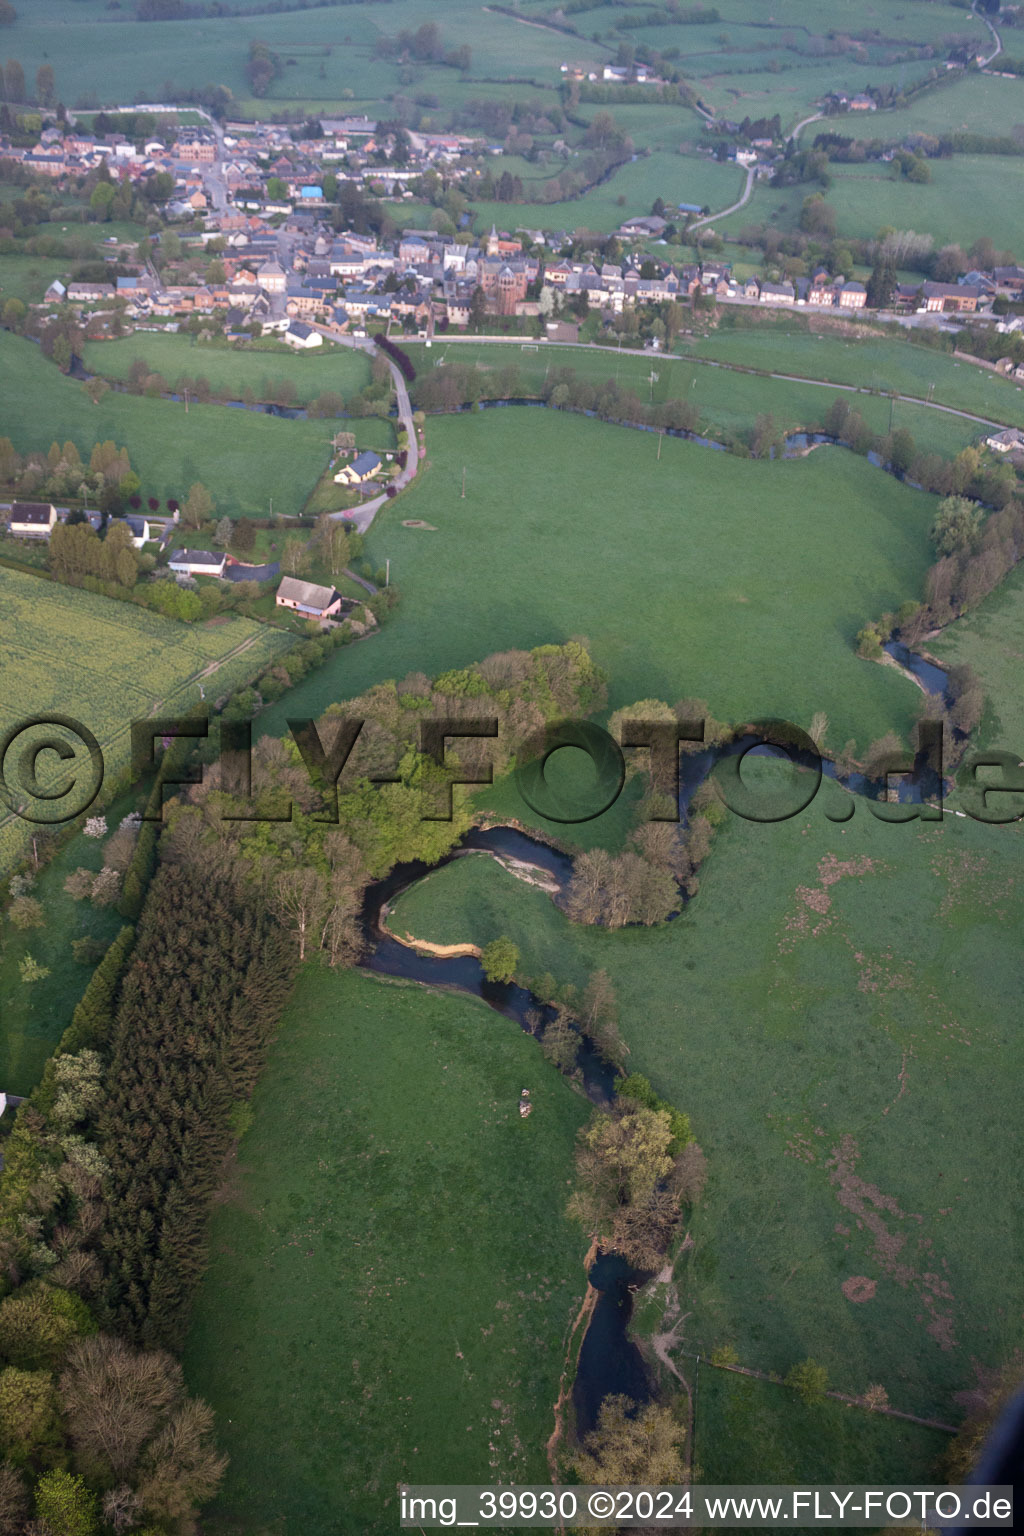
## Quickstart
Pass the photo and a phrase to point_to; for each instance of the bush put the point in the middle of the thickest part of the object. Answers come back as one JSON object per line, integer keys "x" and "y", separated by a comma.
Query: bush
{"x": 809, "y": 1379}
{"x": 26, "y": 912}
{"x": 500, "y": 960}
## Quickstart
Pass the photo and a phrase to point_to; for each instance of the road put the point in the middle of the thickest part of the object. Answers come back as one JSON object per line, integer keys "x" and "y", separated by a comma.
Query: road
{"x": 363, "y": 516}
{"x": 815, "y": 117}
{"x": 995, "y": 37}
{"x": 711, "y": 217}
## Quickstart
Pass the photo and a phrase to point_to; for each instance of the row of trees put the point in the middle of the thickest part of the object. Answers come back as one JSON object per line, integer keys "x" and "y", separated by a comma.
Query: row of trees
{"x": 12, "y": 78}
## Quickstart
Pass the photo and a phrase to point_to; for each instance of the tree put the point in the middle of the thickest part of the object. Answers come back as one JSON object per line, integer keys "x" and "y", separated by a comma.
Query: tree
{"x": 295, "y": 555}
{"x": 277, "y": 190}
{"x": 335, "y": 545}
{"x": 599, "y": 1016}
{"x": 26, "y": 912}
{"x": 45, "y": 86}
{"x": 957, "y": 526}
{"x": 115, "y": 1399}
{"x": 13, "y": 1501}
{"x": 881, "y": 284}
{"x": 101, "y": 198}
{"x": 62, "y": 353}
{"x": 30, "y": 970}
{"x": 14, "y": 82}
{"x": 244, "y": 535}
{"x": 29, "y": 1420}
{"x": 13, "y": 314}
{"x": 500, "y": 960}
{"x": 224, "y": 532}
{"x": 299, "y": 900}
{"x": 199, "y": 505}
{"x": 181, "y": 1467}
{"x": 38, "y": 1323}
{"x": 809, "y": 1379}
{"x": 632, "y": 1445}
{"x": 65, "y": 1505}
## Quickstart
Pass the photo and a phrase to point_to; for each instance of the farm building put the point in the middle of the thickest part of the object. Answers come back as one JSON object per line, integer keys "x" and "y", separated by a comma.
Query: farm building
{"x": 363, "y": 467}
{"x": 196, "y": 562}
{"x": 33, "y": 519}
{"x": 307, "y": 598}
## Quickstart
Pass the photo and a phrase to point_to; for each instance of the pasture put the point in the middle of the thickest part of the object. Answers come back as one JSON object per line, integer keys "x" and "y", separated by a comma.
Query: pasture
{"x": 122, "y": 663}
{"x": 732, "y": 402}
{"x": 824, "y": 1059}
{"x": 991, "y": 640}
{"x": 390, "y": 1290}
{"x": 232, "y": 370}
{"x": 740, "y": 581}
{"x": 242, "y": 457}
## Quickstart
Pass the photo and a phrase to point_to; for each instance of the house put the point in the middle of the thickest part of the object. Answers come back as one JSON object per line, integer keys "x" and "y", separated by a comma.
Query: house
{"x": 33, "y": 519}
{"x": 138, "y": 527}
{"x": 777, "y": 293}
{"x": 196, "y": 562}
{"x": 302, "y": 336}
{"x": 272, "y": 277}
{"x": 853, "y": 296}
{"x": 942, "y": 297}
{"x": 307, "y": 598}
{"x": 83, "y": 292}
{"x": 651, "y": 224}
{"x": 1002, "y": 442}
{"x": 363, "y": 467}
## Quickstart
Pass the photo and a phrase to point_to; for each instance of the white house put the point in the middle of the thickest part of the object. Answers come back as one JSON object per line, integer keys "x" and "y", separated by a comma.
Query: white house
{"x": 302, "y": 336}
{"x": 33, "y": 519}
{"x": 138, "y": 528}
{"x": 363, "y": 467}
{"x": 196, "y": 562}
{"x": 1000, "y": 442}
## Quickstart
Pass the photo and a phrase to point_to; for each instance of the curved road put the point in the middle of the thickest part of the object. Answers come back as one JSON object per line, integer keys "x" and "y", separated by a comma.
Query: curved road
{"x": 711, "y": 217}
{"x": 995, "y": 36}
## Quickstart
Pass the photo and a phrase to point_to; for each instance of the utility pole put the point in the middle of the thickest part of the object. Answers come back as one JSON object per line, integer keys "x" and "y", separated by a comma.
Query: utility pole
{"x": 660, "y": 436}
{"x": 892, "y": 408}
{"x": 271, "y": 506}
{"x": 387, "y": 573}
{"x": 186, "y": 400}
{"x": 463, "y": 482}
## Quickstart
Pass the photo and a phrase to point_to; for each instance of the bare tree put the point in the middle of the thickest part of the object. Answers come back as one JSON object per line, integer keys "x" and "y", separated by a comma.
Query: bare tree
{"x": 299, "y": 901}
{"x": 114, "y": 1399}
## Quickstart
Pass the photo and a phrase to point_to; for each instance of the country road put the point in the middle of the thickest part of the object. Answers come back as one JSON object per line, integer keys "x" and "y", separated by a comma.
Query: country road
{"x": 711, "y": 217}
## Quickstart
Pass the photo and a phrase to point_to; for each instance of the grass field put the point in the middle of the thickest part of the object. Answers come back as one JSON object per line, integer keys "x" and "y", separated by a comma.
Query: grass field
{"x": 991, "y": 640}
{"x": 392, "y": 1278}
{"x": 975, "y": 104}
{"x": 675, "y": 178}
{"x": 732, "y": 402}
{"x": 340, "y": 369}
{"x": 754, "y": 577}
{"x": 967, "y": 197}
{"x": 119, "y": 663}
{"x": 870, "y": 362}
{"x": 751, "y": 1431}
{"x": 28, "y": 277}
{"x": 824, "y": 1057}
{"x": 242, "y": 457}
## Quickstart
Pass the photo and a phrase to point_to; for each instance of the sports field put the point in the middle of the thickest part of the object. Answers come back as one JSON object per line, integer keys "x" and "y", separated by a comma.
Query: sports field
{"x": 392, "y": 1277}
{"x": 114, "y": 663}
{"x": 242, "y": 457}
{"x": 830, "y": 1010}
{"x": 698, "y": 573}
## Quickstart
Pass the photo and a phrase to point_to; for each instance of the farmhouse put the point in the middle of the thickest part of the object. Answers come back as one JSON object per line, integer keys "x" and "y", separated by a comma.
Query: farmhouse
{"x": 363, "y": 467}
{"x": 307, "y": 598}
{"x": 196, "y": 562}
{"x": 32, "y": 519}
{"x": 81, "y": 292}
{"x": 940, "y": 297}
{"x": 1004, "y": 442}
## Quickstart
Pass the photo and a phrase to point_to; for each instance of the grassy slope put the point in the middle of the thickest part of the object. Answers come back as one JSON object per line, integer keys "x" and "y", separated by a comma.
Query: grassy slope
{"x": 991, "y": 640}
{"x": 889, "y": 1025}
{"x": 242, "y": 457}
{"x": 392, "y": 1277}
{"x": 750, "y": 580}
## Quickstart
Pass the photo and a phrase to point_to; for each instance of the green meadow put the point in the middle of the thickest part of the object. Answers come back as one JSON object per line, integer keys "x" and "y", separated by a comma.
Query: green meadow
{"x": 392, "y": 1279}
{"x": 234, "y": 369}
{"x": 245, "y": 459}
{"x": 831, "y": 1006}
{"x": 991, "y": 640}
{"x": 698, "y": 573}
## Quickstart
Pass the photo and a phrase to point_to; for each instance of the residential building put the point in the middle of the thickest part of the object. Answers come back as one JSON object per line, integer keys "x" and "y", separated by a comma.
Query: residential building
{"x": 362, "y": 468}
{"x": 305, "y": 597}
{"x": 197, "y": 562}
{"x": 33, "y": 519}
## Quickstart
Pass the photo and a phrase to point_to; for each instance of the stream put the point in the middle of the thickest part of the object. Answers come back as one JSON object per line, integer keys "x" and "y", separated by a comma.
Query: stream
{"x": 609, "y": 1361}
